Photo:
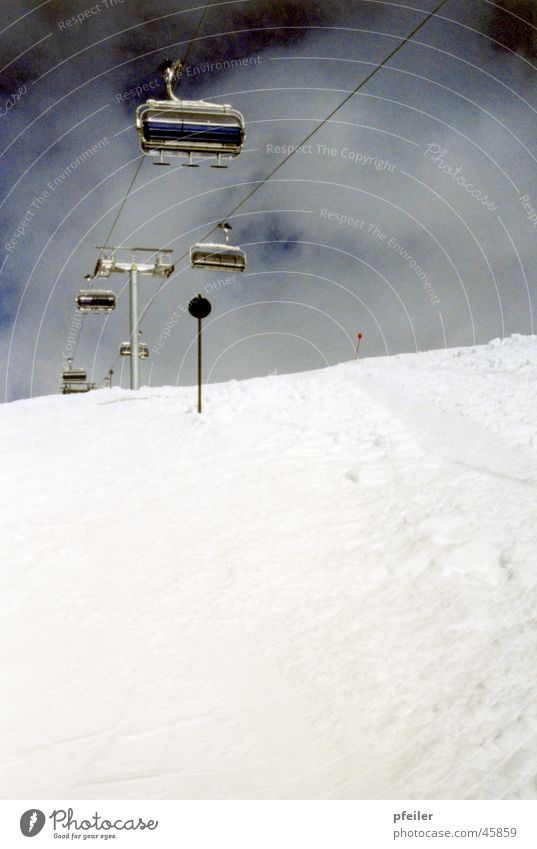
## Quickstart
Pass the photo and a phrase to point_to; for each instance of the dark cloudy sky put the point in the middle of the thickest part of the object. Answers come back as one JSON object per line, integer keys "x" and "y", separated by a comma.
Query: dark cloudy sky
{"x": 424, "y": 263}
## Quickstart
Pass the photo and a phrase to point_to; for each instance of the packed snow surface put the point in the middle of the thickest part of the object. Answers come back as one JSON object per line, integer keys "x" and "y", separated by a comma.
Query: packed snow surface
{"x": 322, "y": 587}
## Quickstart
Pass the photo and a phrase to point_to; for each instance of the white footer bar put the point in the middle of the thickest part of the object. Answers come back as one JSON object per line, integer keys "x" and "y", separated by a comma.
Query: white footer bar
{"x": 269, "y": 824}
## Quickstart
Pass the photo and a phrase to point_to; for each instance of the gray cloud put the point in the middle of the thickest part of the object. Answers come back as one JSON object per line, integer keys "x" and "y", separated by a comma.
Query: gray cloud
{"x": 340, "y": 278}
{"x": 512, "y": 23}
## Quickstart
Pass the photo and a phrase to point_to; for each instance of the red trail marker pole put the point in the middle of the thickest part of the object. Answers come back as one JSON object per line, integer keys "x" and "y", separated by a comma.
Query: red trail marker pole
{"x": 359, "y": 337}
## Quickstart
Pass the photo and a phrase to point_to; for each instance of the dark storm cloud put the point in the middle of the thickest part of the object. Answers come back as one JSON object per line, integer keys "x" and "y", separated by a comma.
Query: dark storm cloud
{"x": 86, "y": 70}
{"x": 253, "y": 26}
{"x": 511, "y": 23}
{"x": 241, "y": 28}
{"x": 232, "y": 30}
{"x": 20, "y": 71}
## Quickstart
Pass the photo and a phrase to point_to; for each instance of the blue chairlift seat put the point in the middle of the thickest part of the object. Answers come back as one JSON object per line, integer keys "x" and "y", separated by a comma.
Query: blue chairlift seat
{"x": 189, "y": 127}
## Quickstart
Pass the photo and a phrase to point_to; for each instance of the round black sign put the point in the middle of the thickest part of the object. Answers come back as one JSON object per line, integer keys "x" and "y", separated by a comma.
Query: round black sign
{"x": 199, "y": 307}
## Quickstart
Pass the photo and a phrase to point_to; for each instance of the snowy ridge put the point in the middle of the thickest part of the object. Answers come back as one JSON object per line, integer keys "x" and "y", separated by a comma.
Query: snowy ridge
{"x": 325, "y": 586}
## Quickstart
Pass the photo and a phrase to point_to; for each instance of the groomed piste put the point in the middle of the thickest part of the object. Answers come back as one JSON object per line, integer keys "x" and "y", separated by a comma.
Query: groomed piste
{"x": 322, "y": 587}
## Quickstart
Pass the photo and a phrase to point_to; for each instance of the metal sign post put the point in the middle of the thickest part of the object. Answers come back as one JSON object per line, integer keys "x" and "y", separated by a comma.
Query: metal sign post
{"x": 200, "y": 371}
{"x": 199, "y": 308}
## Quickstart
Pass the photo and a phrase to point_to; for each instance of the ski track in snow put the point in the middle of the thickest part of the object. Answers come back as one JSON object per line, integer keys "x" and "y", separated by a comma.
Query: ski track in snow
{"x": 323, "y": 587}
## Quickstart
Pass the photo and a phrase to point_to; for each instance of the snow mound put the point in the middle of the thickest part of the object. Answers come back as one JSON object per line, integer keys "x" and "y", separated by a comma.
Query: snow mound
{"x": 323, "y": 587}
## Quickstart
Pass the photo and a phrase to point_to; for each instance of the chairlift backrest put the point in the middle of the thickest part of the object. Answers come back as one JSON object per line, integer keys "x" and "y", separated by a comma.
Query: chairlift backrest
{"x": 77, "y": 389}
{"x": 143, "y": 350}
{"x": 95, "y": 300}
{"x": 74, "y": 375}
{"x": 186, "y": 127}
{"x": 218, "y": 257}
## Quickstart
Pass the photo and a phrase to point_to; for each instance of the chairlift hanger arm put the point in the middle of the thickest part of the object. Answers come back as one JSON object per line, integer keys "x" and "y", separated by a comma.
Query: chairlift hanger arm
{"x": 172, "y": 73}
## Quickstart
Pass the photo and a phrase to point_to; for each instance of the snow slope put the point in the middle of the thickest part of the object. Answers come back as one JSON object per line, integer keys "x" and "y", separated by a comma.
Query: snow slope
{"x": 323, "y": 587}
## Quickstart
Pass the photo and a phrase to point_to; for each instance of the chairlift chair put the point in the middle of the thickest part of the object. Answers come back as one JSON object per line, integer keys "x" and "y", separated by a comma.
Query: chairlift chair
{"x": 74, "y": 375}
{"x": 217, "y": 256}
{"x": 76, "y": 389}
{"x": 143, "y": 350}
{"x": 96, "y": 301}
{"x": 188, "y": 127}
{"x": 75, "y": 380}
